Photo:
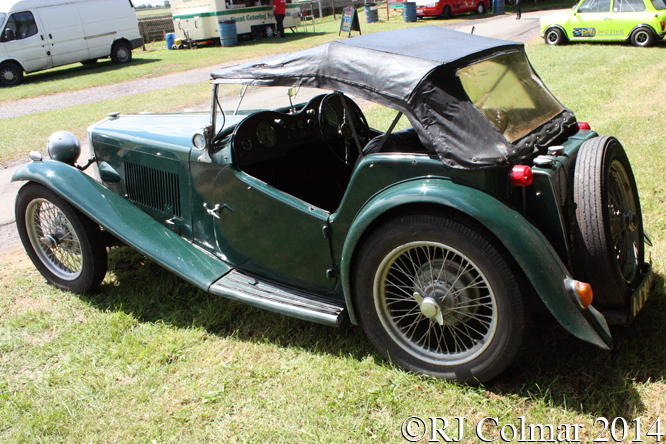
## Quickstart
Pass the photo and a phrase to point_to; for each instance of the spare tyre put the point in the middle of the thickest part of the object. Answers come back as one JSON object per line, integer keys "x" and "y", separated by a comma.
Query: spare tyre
{"x": 610, "y": 224}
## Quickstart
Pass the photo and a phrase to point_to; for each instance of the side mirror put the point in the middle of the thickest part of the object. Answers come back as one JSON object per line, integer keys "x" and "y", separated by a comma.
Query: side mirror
{"x": 9, "y": 35}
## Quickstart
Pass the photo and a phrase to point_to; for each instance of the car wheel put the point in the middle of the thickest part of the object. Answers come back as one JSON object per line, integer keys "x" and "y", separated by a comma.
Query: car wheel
{"x": 480, "y": 8}
{"x": 438, "y": 297}
{"x": 608, "y": 213}
{"x": 446, "y": 12}
{"x": 642, "y": 37}
{"x": 10, "y": 74}
{"x": 89, "y": 62}
{"x": 121, "y": 53}
{"x": 65, "y": 246}
{"x": 554, "y": 36}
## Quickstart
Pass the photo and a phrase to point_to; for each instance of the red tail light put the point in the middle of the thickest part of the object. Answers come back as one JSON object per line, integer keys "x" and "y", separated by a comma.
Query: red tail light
{"x": 521, "y": 175}
{"x": 663, "y": 25}
{"x": 584, "y": 126}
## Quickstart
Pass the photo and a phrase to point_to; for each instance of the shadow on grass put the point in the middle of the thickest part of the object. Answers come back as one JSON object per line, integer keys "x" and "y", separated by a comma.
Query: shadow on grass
{"x": 564, "y": 371}
{"x": 152, "y": 294}
{"x": 555, "y": 369}
{"x": 76, "y": 70}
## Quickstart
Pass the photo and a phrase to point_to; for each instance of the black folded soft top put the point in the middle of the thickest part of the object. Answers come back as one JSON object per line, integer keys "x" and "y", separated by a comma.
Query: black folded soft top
{"x": 412, "y": 70}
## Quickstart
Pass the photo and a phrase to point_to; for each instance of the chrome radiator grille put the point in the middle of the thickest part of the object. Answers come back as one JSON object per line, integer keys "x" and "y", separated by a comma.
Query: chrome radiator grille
{"x": 152, "y": 188}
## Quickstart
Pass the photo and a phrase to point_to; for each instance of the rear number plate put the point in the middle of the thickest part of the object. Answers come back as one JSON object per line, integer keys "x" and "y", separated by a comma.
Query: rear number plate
{"x": 641, "y": 295}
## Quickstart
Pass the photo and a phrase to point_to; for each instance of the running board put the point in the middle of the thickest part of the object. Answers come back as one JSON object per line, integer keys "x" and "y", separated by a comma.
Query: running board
{"x": 267, "y": 295}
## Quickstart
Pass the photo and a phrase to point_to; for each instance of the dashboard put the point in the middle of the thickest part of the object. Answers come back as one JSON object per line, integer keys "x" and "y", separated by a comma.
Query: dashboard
{"x": 267, "y": 135}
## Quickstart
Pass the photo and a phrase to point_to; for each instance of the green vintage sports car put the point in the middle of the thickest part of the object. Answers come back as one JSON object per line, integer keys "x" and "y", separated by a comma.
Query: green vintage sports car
{"x": 641, "y": 22}
{"x": 437, "y": 237}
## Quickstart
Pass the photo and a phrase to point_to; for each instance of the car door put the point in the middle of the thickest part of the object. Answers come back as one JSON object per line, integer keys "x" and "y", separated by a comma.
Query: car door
{"x": 592, "y": 21}
{"x": 257, "y": 228}
{"x": 64, "y": 33}
{"x": 24, "y": 41}
{"x": 270, "y": 233}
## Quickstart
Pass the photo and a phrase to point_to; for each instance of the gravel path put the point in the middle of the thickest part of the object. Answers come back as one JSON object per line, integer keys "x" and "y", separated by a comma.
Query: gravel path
{"x": 52, "y": 102}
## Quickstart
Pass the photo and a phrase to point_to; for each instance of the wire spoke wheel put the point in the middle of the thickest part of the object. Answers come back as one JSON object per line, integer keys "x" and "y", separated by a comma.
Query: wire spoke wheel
{"x": 435, "y": 303}
{"x": 623, "y": 221}
{"x": 54, "y": 239}
{"x": 65, "y": 246}
{"x": 439, "y": 296}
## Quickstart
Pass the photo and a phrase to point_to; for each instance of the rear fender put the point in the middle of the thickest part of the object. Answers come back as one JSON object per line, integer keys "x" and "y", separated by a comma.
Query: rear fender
{"x": 524, "y": 242}
{"x": 126, "y": 222}
{"x": 645, "y": 27}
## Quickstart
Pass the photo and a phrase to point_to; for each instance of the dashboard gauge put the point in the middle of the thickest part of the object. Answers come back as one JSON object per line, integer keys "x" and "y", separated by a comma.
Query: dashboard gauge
{"x": 247, "y": 144}
{"x": 331, "y": 115}
{"x": 199, "y": 141}
{"x": 266, "y": 134}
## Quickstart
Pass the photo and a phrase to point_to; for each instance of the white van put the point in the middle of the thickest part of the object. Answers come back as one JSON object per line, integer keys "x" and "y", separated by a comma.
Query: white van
{"x": 42, "y": 34}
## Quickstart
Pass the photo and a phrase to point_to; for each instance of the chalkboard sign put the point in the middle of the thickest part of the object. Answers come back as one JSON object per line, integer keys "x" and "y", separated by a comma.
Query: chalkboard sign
{"x": 349, "y": 21}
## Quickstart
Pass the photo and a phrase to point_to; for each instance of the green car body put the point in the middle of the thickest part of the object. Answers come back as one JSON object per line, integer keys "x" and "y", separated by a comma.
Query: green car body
{"x": 639, "y": 22}
{"x": 217, "y": 204}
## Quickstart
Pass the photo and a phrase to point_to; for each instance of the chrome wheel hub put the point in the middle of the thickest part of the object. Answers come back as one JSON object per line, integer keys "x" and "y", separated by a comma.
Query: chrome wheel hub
{"x": 49, "y": 241}
{"x": 630, "y": 221}
{"x": 435, "y": 303}
{"x": 8, "y": 75}
{"x": 430, "y": 308}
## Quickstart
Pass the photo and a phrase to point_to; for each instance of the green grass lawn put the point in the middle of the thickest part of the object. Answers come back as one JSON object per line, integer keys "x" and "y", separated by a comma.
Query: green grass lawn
{"x": 150, "y": 359}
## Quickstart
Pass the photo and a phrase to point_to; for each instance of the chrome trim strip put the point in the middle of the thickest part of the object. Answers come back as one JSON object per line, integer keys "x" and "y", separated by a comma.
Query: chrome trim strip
{"x": 99, "y": 35}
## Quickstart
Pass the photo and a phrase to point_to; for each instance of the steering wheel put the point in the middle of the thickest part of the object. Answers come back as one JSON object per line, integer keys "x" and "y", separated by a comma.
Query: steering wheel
{"x": 336, "y": 125}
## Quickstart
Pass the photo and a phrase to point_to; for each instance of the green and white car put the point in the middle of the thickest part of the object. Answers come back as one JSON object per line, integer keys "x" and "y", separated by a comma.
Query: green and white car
{"x": 639, "y": 21}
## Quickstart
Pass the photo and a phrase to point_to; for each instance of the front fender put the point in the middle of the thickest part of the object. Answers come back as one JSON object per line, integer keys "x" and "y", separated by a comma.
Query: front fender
{"x": 549, "y": 27}
{"x": 525, "y": 243}
{"x": 126, "y": 221}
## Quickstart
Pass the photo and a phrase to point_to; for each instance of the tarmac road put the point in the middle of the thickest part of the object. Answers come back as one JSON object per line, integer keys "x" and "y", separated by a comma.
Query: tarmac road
{"x": 503, "y": 27}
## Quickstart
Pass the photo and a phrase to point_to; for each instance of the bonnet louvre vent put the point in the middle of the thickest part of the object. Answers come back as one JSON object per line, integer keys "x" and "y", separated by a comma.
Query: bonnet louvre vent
{"x": 152, "y": 188}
